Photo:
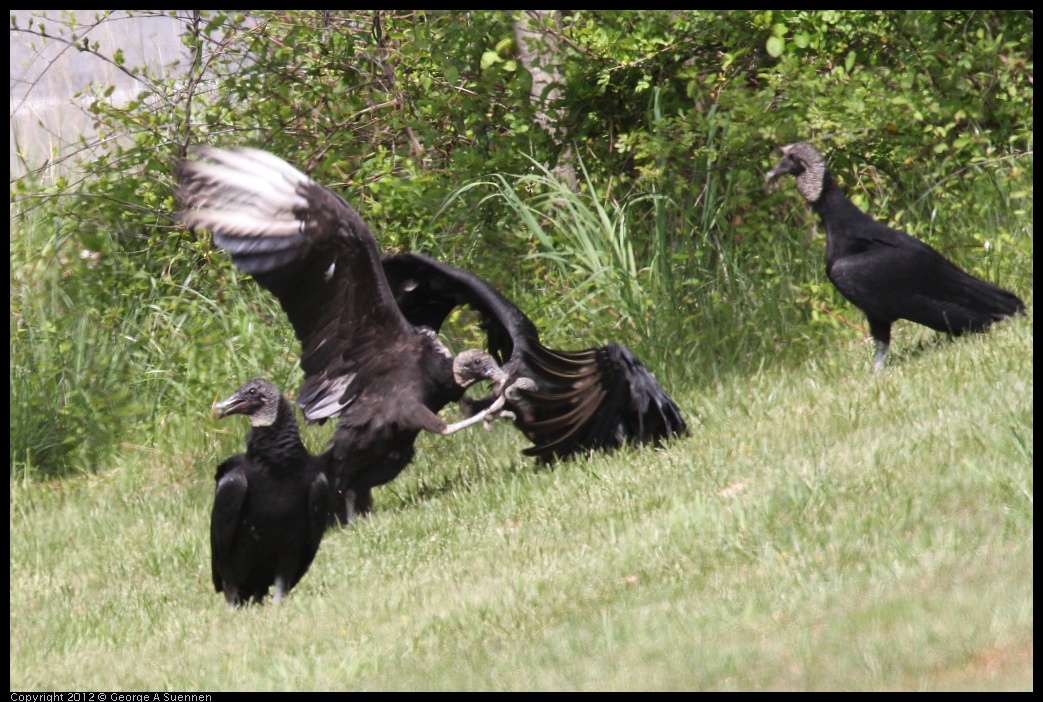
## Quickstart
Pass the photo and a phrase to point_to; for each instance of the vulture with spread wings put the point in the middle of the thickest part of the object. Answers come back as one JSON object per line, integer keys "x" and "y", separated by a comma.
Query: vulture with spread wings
{"x": 363, "y": 361}
{"x": 565, "y": 402}
{"x": 381, "y": 369}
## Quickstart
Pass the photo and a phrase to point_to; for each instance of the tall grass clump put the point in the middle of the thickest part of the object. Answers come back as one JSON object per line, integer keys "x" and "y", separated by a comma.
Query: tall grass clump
{"x": 68, "y": 378}
{"x": 583, "y": 240}
{"x": 107, "y": 347}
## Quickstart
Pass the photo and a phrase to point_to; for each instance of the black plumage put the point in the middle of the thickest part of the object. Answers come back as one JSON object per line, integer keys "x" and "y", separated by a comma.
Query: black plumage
{"x": 382, "y": 369}
{"x": 362, "y": 360}
{"x": 886, "y": 273}
{"x": 565, "y": 402}
{"x": 271, "y": 504}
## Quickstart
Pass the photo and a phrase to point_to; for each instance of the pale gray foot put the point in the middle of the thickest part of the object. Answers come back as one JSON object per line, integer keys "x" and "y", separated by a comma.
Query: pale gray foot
{"x": 878, "y": 359}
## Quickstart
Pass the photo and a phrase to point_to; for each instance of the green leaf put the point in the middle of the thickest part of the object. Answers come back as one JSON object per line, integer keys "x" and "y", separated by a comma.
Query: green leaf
{"x": 775, "y": 46}
{"x": 490, "y": 58}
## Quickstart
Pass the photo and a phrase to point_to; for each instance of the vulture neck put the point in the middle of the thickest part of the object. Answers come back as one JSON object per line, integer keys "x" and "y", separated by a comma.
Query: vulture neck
{"x": 842, "y": 219}
{"x": 280, "y": 441}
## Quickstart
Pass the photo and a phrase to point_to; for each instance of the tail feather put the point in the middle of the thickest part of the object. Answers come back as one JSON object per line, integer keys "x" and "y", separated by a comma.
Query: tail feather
{"x": 979, "y": 303}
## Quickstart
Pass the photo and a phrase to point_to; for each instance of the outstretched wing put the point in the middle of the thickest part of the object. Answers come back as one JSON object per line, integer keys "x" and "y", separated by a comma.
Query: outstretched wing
{"x": 315, "y": 254}
{"x": 427, "y": 290}
{"x": 597, "y": 398}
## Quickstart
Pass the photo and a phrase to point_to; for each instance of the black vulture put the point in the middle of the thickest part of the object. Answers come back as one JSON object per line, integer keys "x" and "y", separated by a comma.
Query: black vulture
{"x": 271, "y": 503}
{"x": 384, "y": 372}
{"x": 886, "y": 273}
{"x": 565, "y": 402}
{"x": 362, "y": 360}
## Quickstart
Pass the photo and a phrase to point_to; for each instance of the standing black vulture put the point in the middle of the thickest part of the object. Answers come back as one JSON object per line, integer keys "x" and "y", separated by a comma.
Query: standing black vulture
{"x": 888, "y": 274}
{"x": 362, "y": 360}
{"x": 271, "y": 503}
{"x": 565, "y": 402}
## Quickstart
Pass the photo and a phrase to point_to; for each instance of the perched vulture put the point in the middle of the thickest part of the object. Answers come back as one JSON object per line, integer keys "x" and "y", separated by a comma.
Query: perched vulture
{"x": 383, "y": 371}
{"x": 271, "y": 504}
{"x": 886, "y": 273}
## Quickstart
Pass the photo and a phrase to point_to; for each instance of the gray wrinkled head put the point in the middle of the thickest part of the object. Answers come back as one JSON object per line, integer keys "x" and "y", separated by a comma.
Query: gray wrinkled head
{"x": 805, "y": 163}
{"x": 258, "y": 399}
{"x": 473, "y": 365}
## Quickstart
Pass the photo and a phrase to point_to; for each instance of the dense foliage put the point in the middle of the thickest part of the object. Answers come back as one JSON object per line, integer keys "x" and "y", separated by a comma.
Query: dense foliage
{"x": 625, "y": 200}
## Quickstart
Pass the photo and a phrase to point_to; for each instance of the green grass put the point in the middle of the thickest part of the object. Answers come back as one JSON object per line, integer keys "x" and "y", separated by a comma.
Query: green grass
{"x": 821, "y": 528}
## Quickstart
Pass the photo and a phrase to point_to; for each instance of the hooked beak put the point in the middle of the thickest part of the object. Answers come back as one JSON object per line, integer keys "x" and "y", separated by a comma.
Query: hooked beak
{"x": 226, "y": 407}
{"x": 773, "y": 173}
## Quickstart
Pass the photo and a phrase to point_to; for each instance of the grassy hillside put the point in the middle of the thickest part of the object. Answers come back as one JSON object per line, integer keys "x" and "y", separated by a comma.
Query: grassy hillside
{"x": 821, "y": 528}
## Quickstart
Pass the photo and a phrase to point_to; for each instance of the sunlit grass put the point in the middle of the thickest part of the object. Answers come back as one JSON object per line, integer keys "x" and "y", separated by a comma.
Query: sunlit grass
{"x": 821, "y": 528}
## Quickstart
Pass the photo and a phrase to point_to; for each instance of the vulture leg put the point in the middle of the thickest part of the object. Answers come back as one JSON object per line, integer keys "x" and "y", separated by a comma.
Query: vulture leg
{"x": 492, "y": 409}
